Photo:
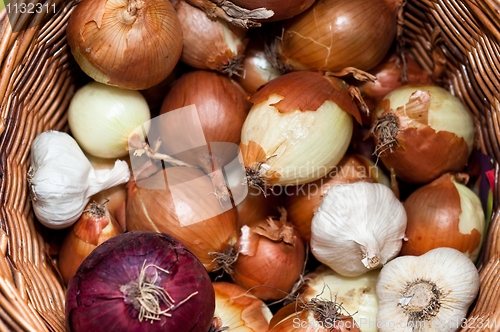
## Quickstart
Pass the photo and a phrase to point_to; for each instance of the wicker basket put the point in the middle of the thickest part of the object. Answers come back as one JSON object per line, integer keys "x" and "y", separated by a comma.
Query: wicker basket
{"x": 458, "y": 41}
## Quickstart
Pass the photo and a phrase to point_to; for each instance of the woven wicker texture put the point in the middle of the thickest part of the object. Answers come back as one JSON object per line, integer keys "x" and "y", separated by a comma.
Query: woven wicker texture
{"x": 458, "y": 41}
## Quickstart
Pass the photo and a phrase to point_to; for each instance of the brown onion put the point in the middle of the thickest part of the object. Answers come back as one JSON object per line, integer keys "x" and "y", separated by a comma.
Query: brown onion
{"x": 221, "y": 109}
{"x": 389, "y": 74}
{"x": 257, "y": 69}
{"x": 334, "y": 34}
{"x": 282, "y": 10}
{"x": 130, "y": 44}
{"x": 191, "y": 213}
{"x": 236, "y": 310}
{"x": 210, "y": 43}
{"x": 422, "y": 131}
{"x": 257, "y": 207}
{"x": 303, "y": 201}
{"x": 444, "y": 213}
{"x": 265, "y": 250}
{"x": 317, "y": 315}
{"x": 95, "y": 226}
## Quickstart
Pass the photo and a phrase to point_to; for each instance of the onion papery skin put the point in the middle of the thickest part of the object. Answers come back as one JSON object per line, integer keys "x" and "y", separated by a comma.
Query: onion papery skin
{"x": 95, "y": 302}
{"x": 303, "y": 201}
{"x": 260, "y": 266}
{"x": 444, "y": 213}
{"x": 258, "y": 70}
{"x": 239, "y": 311}
{"x": 334, "y": 34}
{"x": 434, "y": 135}
{"x": 204, "y": 226}
{"x": 128, "y": 51}
{"x": 281, "y": 10}
{"x": 299, "y": 128}
{"x": 210, "y": 43}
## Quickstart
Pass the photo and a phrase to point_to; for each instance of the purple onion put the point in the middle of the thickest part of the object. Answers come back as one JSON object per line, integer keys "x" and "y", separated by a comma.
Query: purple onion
{"x": 104, "y": 293}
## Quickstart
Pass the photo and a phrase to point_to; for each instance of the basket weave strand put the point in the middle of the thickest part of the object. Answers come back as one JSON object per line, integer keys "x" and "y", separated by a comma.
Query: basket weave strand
{"x": 457, "y": 41}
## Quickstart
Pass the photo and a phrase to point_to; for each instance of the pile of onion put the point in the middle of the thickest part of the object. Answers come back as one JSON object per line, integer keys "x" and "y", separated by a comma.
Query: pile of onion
{"x": 131, "y": 44}
{"x": 140, "y": 281}
{"x": 422, "y": 131}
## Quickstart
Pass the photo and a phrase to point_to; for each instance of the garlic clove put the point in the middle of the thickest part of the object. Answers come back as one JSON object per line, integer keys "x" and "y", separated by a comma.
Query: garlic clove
{"x": 431, "y": 292}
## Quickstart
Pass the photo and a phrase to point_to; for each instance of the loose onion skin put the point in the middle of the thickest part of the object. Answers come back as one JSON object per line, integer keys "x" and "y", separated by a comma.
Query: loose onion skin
{"x": 128, "y": 44}
{"x": 210, "y": 43}
{"x": 96, "y": 300}
{"x": 281, "y": 10}
{"x": 422, "y": 131}
{"x": 196, "y": 218}
{"x": 444, "y": 213}
{"x": 334, "y": 34}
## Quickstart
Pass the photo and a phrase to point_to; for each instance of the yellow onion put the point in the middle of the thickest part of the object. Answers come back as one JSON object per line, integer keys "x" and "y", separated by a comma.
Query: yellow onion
{"x": 282, "y": 10}
{"x": 357, "y": 294}
{"x": 220, "y": 104}
{"x": 257, "y": 69}
{"x": 389, "y": 74}
{"x": 444, "y": 213}
{"x": 95, "y": 226}
{"x": 236, "y": 310}
{"x": 334, "y": 34}
{"x": 208, "y": 42}
{"x": 257, "y": 207}
{"x": 265, "y": 251}
{"x": 317, "y": 315}
{"x": 297, "y": 130}
{"x": 186, "y": 208}
{"x": 422, "y": 131}
{"x": 131, "y": 44}
{"x": 303, "y": 201}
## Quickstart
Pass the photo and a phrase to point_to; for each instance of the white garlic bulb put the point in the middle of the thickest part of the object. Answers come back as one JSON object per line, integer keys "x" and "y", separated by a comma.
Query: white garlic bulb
{"x": 358, "y": 227}
{"x": 431, "y": 292}
{"x": 62, "y": 179}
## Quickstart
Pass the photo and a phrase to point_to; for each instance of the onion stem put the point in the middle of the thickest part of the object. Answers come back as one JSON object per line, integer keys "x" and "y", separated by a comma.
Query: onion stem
{"x": 386, "y": 128}
{"x": 146, "y": 296}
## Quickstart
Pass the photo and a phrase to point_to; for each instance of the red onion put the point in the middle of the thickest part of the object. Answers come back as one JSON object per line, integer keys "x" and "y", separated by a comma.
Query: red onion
{"x": 125, "y": 283}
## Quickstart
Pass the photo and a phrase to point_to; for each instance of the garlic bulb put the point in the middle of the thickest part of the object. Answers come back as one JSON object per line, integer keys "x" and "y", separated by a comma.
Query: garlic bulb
{"x": 358, "y": 227}
{"x": 62, "y": 179}
{"x": 357, "y": 294}
{"x": 428, "y": 293}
